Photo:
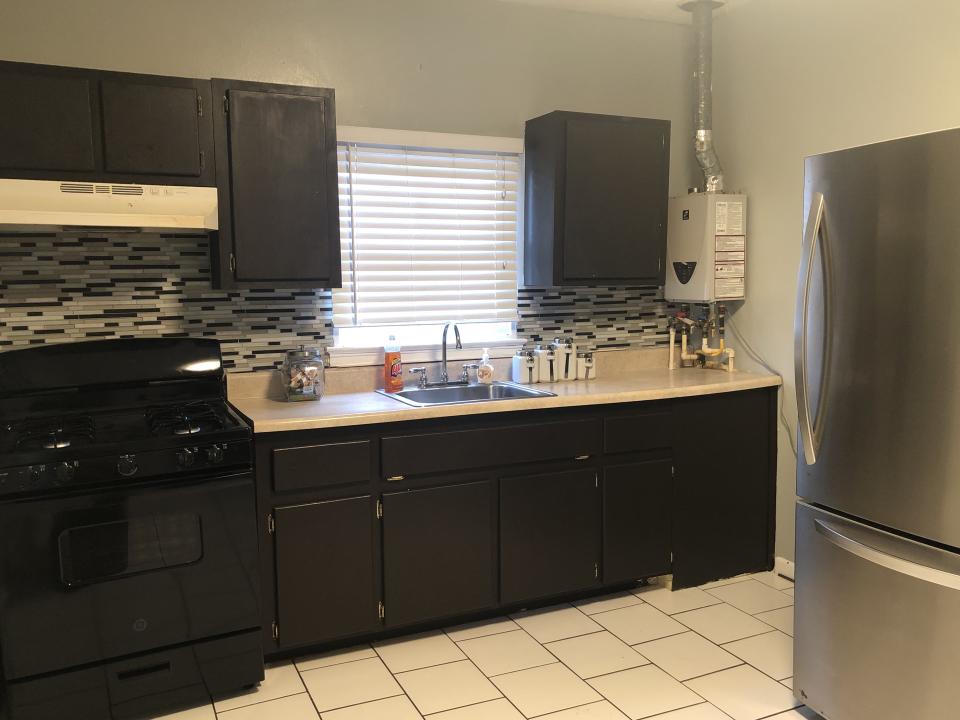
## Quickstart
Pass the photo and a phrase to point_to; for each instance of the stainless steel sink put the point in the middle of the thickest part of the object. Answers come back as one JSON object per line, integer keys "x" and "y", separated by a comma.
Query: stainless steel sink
{"x": 458, "y": 394}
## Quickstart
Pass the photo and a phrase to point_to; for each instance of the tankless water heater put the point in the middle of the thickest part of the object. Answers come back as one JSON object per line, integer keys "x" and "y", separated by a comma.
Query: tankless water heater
{"x": 706, "y": 247}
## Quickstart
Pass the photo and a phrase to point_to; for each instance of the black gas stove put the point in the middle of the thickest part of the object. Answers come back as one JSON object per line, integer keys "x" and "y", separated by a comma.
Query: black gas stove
{"x": 128, "y": 549}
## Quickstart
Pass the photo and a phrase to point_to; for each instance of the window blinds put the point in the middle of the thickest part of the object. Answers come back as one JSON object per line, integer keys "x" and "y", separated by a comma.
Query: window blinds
{"x": 426, "y": 236}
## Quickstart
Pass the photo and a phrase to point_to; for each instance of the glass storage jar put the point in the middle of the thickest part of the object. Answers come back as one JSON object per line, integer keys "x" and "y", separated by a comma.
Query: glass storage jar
{"x": 302, "y": 373}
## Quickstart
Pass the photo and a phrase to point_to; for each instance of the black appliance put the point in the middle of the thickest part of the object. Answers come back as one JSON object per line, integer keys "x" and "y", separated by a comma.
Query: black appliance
{"x": 128, "y": 547}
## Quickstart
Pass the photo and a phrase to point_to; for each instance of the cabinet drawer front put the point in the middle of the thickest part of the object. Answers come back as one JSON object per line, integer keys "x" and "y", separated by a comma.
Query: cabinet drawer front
{"x": 316, "y": 466}
{"x": 636, "y": 433}
{"x": 489, "y": 447}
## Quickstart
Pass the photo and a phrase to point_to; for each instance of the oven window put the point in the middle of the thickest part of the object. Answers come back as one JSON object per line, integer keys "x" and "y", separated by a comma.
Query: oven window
{"x": 107, "y": 551}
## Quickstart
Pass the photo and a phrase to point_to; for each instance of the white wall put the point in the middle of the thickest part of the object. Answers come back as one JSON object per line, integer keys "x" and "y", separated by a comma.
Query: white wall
{"x": 464, "y": 66}
{"x": 797, "y": 77}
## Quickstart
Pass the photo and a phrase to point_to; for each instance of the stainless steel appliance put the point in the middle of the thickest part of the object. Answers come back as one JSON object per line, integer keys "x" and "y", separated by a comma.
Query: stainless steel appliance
{"x": 878, "y": 394}
{"x": 128, "y": 548}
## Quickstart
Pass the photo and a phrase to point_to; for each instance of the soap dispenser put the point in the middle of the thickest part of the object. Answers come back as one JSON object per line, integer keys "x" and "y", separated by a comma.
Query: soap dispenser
{"x": 485, "y": 371}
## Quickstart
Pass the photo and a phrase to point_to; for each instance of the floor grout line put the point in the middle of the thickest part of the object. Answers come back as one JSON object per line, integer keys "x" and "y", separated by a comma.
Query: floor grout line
{"x": 545, "y": 645}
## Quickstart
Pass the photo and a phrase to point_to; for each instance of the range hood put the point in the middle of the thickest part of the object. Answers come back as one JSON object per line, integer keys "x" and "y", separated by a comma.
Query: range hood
{"x": 31, "y": 205}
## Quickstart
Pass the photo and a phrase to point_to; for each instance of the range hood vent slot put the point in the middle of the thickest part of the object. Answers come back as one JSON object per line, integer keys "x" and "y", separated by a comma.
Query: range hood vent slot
{"x": 91, "y": 189}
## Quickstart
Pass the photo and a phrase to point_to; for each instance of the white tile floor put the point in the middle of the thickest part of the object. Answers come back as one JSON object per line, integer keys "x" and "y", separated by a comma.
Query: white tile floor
{"x": 720, "y": 652}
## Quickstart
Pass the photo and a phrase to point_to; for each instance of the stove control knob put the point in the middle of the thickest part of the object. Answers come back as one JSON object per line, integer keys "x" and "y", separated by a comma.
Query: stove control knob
{"x": 127, "y": 465}
{"x": 63, "y": 473}
{"x": 186, "y": 457}
{"x": 214, "y": 454}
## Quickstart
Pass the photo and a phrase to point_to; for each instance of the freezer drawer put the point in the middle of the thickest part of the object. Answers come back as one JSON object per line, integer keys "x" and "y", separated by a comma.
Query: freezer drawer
{"x": 877, "y": 622}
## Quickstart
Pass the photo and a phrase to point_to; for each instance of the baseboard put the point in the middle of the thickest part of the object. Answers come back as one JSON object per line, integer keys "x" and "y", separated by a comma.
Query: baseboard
{"x": 784, "y": 567}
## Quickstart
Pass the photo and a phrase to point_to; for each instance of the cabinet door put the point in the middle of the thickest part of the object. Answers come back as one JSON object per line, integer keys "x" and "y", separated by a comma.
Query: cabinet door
{"x": 46, "y": 120}
{"x": 636, "y": 520}
{"x": 281, "y": 182}
{"x": 326, "y": 570}
{"x": 151, "y": 127}
{"x": 439, "y": 548}
{"x": 549, "y": 534}
{"x": 725, "y": 486}
{"x": 615, "y": 198}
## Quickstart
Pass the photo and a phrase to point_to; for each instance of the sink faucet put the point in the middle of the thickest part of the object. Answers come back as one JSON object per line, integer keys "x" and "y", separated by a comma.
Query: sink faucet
{"x": 443, "y": 347}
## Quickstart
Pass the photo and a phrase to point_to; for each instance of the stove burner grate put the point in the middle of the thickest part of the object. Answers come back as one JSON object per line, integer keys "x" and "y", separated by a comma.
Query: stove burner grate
{"x": 187, "y": 419}
{"x": 54, "y": 433}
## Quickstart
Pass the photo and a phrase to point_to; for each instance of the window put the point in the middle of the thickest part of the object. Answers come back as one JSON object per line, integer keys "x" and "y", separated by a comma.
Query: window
{"x": 428, "y": 227}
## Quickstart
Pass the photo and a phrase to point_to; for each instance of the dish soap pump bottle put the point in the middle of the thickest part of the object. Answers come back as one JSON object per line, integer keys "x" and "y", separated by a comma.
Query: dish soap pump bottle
{"x": 392, "y": 366}
{"x": 485, "y": 371}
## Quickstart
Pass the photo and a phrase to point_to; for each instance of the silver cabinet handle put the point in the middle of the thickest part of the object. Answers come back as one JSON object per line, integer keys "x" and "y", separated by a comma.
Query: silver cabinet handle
{"x": 855, "y": 541}
{"x": 811, "y": 429}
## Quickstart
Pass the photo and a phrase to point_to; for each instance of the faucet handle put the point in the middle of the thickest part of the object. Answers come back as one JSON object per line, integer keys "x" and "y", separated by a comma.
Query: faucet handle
{"x": 422, "y": 371}
{"x": 467, "y": 367}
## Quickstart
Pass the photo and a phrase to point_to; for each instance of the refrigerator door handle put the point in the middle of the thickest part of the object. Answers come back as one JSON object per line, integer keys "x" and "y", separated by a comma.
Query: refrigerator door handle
{"x": 856, "y": 541}
{"x": 811, "y": 427}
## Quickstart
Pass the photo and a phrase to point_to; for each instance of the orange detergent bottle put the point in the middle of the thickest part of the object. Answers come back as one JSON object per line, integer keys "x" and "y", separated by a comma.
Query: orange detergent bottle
{"x": 392, "y": 366}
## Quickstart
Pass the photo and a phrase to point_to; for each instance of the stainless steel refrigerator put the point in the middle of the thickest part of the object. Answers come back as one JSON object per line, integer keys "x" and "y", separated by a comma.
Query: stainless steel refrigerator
{"x": 877, "y": 345}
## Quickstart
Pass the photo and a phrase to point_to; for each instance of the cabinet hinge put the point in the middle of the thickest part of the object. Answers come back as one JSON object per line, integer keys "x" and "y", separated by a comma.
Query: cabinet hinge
{"x": 199, "y": 105}
{"x": 271, "y": 524}
{"x": 275, "y": 630}
{"x": 379, "y": 509}
{"x": 226, "y": 104}
{"x": 380, "y": 610}
{"x": 596, "y": 571}
{"x": 233, "y": 262}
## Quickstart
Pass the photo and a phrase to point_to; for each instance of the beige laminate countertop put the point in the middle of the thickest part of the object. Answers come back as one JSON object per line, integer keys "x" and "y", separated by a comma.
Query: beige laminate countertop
{"x": 367, "y": 408}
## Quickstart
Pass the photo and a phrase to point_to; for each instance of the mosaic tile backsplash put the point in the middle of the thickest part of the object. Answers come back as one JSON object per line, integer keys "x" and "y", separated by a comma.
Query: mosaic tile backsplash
{"x": 55, "y": 289}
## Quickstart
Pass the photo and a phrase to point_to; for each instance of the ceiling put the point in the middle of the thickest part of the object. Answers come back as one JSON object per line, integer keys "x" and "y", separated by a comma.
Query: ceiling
{"x": 664, "y": 10}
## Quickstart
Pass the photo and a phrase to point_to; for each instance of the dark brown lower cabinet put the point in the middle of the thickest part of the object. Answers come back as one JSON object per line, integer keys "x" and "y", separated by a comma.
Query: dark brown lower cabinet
{"x": 440, "y": 552}
{"x": 326, "y": 570}
{"x": 549, "y": 534}
{"x": 724, "y": 489}
{"x": 636, "y": 520}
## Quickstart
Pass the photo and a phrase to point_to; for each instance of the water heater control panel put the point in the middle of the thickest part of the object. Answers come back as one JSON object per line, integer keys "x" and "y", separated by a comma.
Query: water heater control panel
{"x": 706, "y": 248}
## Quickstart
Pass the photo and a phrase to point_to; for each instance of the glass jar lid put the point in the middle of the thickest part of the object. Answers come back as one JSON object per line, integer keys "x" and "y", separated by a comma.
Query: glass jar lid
{"x": 304, "y": 353}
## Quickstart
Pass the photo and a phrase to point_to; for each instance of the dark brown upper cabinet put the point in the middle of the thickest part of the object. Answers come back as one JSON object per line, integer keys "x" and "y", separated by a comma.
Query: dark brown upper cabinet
{"x": 73, "y": 124}
{"x": 596, "y": 200}
{"x": 277, "y": 177}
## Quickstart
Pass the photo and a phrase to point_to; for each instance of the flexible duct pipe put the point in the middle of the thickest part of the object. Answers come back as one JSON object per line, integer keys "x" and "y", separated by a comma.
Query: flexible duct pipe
{"x": 703, "y": 80}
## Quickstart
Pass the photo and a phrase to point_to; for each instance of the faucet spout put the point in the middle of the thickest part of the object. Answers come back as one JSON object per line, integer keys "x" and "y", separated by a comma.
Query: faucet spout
{"x": 443, "y": 349}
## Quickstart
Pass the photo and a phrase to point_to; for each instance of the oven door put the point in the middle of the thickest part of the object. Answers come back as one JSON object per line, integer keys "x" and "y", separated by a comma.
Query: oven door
{"x": 89, "y": 577}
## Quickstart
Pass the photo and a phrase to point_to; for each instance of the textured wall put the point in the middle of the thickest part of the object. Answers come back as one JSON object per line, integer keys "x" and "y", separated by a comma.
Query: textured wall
{"x": 63, "y": 289}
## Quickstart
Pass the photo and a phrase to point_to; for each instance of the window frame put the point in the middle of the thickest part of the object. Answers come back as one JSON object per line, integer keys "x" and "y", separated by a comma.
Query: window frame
{"x": 342, "y": 354}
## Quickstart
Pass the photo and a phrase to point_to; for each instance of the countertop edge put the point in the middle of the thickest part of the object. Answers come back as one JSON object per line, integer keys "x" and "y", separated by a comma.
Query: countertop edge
{"x": 409, "y": 414}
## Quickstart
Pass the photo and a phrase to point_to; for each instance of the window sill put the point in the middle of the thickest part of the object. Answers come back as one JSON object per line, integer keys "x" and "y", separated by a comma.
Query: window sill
{"x": 358, "y": 357}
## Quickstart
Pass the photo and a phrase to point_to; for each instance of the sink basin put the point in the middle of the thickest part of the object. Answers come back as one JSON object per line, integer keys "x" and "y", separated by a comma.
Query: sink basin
{"x": 458, "y": 394}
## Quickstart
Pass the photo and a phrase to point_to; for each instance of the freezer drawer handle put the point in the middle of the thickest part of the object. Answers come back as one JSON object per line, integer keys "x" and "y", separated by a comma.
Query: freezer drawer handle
{"x": 905, "y": 567}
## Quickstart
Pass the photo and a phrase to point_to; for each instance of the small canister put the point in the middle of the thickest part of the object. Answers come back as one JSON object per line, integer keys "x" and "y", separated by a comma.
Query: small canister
{"x": 302, "y": 374}
{"x": 525, "y": 368}
{"x": 586, "y": 370}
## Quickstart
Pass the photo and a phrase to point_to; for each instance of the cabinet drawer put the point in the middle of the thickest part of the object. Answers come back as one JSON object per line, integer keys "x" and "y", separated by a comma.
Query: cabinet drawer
{"x": 636, "y": 433}
{"x": 315, "y": 466}
{"x": 489, "y": 447}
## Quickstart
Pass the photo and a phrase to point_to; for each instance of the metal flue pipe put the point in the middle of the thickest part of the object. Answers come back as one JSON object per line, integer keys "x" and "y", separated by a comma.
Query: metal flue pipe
{"x": 702, "y": 11}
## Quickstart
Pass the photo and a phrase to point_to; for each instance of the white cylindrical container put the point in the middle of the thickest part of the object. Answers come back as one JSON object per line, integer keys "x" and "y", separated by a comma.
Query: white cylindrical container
{"x": 524, "y": 368}
{"x": 567, "y": 360}
{"x": 546, "y": 363}
{"x": 586, "y": 369}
